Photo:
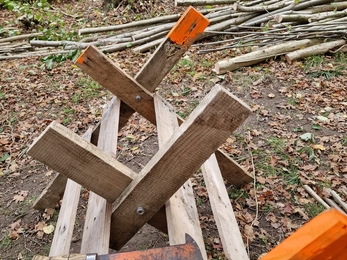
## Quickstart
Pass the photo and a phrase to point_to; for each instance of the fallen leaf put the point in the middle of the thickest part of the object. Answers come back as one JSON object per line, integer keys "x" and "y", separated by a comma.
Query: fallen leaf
{"x": 318, "y": 147}
{"x": 48, "y": 229}
{"x": 21, "y": 196}
{"x": 273, "y": 161}
{"x": 40, "y": 234}
{"x": 261, "y": 180}
{"x": 13, "y": 235}
{"x": 322, "y": 118}
{"x": 50, "y": 211}
{"x": 287, "y": 209}
{"x": 249, "y": 232}
{"x": 301, "y": 213}
{"x": 39, "y": 226}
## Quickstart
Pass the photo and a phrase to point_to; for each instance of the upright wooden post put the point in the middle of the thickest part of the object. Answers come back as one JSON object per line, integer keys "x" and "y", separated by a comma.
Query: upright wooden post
{"x": 98, "y": 217}
{"x": 229, "y": 232}
{"x": 66, "y": 221}
{"x": 181, "y": 212}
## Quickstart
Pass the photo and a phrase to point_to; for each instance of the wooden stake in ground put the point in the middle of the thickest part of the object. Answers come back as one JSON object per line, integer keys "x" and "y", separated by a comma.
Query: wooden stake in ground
{"x": 98, "y": 216}
{"x": 181, "y": 212}
{"x": 229, "y": 232}
{"x": 66, "y": 221}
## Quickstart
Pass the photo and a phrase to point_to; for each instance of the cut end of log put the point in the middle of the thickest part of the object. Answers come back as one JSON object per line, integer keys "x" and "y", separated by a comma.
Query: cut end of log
{"x": 216, "y": 69}
{"x": 191, "y": 24}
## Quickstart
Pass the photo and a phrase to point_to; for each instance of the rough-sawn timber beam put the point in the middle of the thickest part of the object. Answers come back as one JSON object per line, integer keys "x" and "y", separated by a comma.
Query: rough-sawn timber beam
{"x": 79, "y": 160}
{"x": 92, "y": 59}
{"x": 216, "y": 117}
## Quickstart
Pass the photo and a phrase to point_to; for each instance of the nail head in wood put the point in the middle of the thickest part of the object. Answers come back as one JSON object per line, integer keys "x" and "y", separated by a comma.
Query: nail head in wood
{"x": 140, "y": 210}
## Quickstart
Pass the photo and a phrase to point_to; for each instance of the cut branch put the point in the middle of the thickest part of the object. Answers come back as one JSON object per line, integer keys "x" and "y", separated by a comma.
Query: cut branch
{"x": 202, "y": 2}
{"x": 261, "y": 55}
{"x": 313, "y": 50}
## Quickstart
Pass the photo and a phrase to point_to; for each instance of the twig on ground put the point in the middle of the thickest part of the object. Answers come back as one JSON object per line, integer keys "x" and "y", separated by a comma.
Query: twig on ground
{"x": 315, "y": 196}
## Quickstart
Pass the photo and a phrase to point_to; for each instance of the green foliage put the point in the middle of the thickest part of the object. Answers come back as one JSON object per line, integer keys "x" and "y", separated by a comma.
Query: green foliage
{"x": 327, "y": 74}
{"x": 36, "y": 15}
{"x": 48, "y": 61}
{"x": 313, "y": 61}
{"x": 313, "y": 209}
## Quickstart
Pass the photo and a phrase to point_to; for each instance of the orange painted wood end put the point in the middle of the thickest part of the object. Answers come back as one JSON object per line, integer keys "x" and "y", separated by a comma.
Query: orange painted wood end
{"x": 80, "y": 58}
{"x": 324, "y": 237}
{"x": 191, "y": 24}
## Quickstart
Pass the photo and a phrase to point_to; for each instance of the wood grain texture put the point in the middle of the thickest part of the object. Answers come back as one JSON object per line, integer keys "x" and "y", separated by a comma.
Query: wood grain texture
{"x": 324, "y": 237}
{"x": 110, "y": 76}
{"x": 96, "y": 233}
{"x": 182, "y": 35}
{"x": 216, "y": 117}
{"x": 67, "y": 153}
{"x": 232, "y": 171}
{"x": 62, "y": 257}
{"x": 67, "y": 215}
{"x": 66, "y": 220}
{"x": 50, "y": 196}
{"x": 181, "y": 212}
{"x": 223, "y": 213}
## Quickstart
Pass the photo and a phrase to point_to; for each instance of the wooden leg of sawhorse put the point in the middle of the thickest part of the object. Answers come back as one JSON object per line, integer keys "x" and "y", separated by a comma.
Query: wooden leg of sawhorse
{"x": 181, "y": 212}
{"x": 96, "y": 234}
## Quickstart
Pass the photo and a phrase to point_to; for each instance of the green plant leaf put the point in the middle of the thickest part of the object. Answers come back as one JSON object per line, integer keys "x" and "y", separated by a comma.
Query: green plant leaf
{"x": 316, "y": 127}
{"x": 4, "y": 157}
{"x": 307, "y": 137}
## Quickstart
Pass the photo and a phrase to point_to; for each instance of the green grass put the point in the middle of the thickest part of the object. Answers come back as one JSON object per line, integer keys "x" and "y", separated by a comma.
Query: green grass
{"x": 313, "y": 209}
{"x": 313, "y": 61}
{"x": 5, "y": 243}
{"x": 89, "y": 88}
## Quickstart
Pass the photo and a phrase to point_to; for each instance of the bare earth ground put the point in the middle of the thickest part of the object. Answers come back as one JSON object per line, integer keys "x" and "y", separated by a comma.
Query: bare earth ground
{"x": 296, "y": 135}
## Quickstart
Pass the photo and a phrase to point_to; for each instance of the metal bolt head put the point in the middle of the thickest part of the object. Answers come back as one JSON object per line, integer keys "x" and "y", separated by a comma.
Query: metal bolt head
{"x": 138, "y": 97}
{"x": 140, "y": 210}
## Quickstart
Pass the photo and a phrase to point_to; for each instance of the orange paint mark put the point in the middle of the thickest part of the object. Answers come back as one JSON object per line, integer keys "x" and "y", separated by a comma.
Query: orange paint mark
{"x": 324, "y": 237}
{"x": 80, "y": 58}
{"x": 188, "y": 27}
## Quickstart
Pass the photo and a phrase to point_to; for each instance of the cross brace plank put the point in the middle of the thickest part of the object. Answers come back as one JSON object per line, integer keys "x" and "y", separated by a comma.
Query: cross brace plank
{"x": 79, "y": 160}
{"x": 92, "y": 59}
{"x": 216, "y": 117}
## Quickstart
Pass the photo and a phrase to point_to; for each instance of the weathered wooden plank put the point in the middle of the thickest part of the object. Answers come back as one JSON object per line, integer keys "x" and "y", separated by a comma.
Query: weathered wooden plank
{"x": 223, "y": 213}
{"x": 64, "y": 257}
{"x": 182, "y": 35}
{"x": 181, "y": 212}
{"x": 324, "y": 237}
{"x": 54, "y": 191}
{"x": 98, "y": 216}
{"x": 68, "y": 154}
{"x": 110, "y": 76}
{"x": 216, "y": 117}
{"x": 232, "y": 171}
{"x": 67, "y": 215}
